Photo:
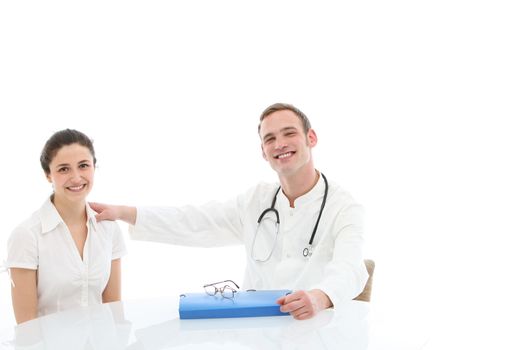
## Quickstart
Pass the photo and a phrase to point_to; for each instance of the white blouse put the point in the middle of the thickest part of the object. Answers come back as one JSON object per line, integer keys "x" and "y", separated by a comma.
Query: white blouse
{"x": 65, "y": 280}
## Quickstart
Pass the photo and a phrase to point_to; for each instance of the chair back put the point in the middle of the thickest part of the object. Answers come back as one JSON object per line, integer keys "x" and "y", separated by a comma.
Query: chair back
{"x": 367, "y": 291}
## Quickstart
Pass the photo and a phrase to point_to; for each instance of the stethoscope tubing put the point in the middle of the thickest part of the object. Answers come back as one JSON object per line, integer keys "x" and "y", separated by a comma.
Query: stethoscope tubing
{"x": 307, "y": 251}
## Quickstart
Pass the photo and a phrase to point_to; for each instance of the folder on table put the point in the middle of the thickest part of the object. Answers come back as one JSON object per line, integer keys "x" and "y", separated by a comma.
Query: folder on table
{"x": 243, "y": 304}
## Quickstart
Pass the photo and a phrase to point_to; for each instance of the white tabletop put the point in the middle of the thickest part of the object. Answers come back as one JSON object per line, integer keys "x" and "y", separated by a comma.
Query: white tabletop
{"x": 154, "y": 324}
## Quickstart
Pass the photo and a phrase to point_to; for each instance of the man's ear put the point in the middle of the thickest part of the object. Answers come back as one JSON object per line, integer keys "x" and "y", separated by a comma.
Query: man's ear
{"x": 311, "y": 137}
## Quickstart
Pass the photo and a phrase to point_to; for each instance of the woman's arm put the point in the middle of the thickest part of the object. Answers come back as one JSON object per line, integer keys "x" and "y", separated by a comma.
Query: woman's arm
{"x": 112, "y": 291}
{"x": 24, "y": 294}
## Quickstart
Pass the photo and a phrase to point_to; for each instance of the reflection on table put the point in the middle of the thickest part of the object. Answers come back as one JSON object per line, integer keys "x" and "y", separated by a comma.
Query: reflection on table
{"x": 154, "y": 324}
{"x": 96, "y": 327}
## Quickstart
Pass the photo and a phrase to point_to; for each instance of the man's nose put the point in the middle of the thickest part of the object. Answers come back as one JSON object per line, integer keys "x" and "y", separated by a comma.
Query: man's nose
{"x": 280, "y": 143}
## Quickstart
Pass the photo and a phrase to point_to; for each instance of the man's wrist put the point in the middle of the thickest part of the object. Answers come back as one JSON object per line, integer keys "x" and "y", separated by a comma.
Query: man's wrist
{"x": 321, "y": 299}
{"x": 127, "y": 214}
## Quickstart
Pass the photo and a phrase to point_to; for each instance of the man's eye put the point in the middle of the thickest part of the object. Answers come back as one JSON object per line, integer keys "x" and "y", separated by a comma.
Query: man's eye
{"x": 270, "y": 139}
{"x": 290, "y": 134}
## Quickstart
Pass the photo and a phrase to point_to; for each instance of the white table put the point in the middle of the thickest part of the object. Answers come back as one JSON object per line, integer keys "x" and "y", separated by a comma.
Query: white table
{"x": 154, "y": 324}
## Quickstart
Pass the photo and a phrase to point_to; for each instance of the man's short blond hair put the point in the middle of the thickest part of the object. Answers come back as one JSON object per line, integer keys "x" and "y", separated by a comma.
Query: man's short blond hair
{"x": 282, "y": 107}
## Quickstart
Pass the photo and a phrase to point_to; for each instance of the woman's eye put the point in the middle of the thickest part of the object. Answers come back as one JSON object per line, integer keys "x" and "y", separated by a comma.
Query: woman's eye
{"x": 63, "y": 170}
{"x": 83, "y": 166}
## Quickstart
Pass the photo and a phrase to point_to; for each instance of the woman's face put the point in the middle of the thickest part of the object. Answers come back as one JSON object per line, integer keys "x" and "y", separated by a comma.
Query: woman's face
{"x": 72, "y": 172}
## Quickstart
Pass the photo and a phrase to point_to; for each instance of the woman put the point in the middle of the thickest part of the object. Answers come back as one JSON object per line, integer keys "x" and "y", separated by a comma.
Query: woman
{"x": 61, "y": 257}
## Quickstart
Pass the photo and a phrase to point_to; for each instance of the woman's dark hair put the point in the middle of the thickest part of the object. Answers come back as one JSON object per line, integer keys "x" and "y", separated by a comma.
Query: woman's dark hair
{"x": 60, "y": 139}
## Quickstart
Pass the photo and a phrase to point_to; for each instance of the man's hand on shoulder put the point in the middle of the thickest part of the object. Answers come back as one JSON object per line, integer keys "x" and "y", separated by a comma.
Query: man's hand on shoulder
{"x": 303, "y": 305}
{"x": 105, "y": 211}
{"x": 114, "y": 212}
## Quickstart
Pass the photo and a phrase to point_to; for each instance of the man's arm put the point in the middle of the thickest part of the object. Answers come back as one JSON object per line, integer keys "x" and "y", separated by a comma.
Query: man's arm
{"x": 344, "y": 276}
{"x": 211, "y": 224}
{"x": 24, "y": 294}
{"x": 115, "y": 212}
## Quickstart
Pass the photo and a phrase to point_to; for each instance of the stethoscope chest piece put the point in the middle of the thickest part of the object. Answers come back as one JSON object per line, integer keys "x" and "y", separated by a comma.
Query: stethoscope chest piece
{"x": 307, "y": 252}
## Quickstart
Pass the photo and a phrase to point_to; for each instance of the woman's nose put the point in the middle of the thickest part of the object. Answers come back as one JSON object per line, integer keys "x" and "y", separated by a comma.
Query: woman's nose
{"x": 75, "y": 175}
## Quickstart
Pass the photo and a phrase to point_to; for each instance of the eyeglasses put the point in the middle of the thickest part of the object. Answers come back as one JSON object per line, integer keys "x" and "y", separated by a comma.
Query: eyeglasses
{"x": 226, "y": 290}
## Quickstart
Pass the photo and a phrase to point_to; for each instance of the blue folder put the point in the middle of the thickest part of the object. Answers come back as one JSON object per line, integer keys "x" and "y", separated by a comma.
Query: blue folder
{"x": 243, "y": 304}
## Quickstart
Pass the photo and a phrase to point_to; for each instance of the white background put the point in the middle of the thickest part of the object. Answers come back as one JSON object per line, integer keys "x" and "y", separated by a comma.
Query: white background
{"x": 418, "y": 107}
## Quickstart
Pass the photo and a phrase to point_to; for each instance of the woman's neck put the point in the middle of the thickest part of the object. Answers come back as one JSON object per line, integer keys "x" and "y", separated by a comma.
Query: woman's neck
{"x": 71, "y": 212}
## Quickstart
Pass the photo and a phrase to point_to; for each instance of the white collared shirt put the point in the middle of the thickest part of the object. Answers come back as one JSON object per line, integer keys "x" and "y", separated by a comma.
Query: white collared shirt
{"x": 336, "y": 266}
{"x": 65, "y": 280}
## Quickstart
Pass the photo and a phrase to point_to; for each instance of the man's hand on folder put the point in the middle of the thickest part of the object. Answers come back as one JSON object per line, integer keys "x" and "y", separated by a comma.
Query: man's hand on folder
{"x": 304, "y": 304}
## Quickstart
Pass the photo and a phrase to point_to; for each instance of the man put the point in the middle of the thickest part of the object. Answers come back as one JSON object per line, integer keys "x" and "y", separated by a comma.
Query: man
{"x": 304, "y": 235}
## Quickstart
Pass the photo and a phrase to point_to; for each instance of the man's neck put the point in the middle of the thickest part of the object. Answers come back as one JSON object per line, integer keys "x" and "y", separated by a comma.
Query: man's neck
{"x": 298, "y": 184}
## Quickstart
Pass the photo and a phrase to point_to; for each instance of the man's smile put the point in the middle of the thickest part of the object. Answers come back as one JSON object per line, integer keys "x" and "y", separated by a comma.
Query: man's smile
{"x": 284, "y": 155}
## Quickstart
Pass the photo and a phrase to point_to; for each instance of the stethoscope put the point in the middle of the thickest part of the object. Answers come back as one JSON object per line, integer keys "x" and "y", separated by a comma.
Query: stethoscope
{"x": 307, "y": 251}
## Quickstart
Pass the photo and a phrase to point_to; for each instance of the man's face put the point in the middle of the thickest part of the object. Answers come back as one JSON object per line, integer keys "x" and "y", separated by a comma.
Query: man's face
{"x": 284, "y": 144}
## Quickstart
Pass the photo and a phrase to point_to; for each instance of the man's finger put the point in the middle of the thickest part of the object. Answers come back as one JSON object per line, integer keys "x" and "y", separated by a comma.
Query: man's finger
{"x": 300, "y": 310}
{"x": 303, "y": 315}
{"x": 100, "y": 217}
{"x": 96, "y": 206}
{"x": 294, "y": 305}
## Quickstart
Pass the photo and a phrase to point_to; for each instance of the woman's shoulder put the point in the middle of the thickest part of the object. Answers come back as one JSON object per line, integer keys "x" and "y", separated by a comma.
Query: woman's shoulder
{"x": 30, "y": 227}
{"x": 108, "y": 226}
{"x": 110, "y": 233}
{"x": 23, "y": 243}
